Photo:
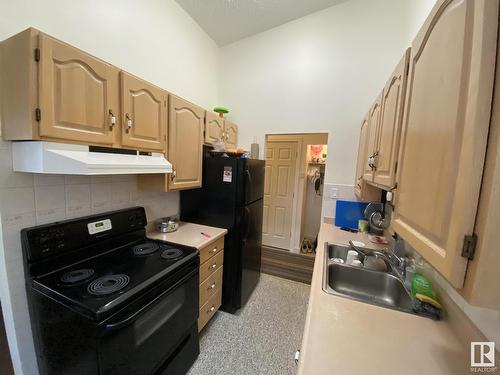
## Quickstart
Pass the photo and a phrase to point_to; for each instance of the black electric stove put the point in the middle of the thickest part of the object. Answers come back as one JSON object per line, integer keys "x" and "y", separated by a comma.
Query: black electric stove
{"x": 104, "y": 299}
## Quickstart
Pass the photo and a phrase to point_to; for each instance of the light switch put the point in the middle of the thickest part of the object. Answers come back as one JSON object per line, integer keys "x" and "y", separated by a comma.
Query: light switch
{"x": 334, "y": 193}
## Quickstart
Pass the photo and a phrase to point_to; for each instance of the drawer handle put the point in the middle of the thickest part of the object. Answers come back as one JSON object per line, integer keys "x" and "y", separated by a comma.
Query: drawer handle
{"x": 211, "y": 310}
{"x": 211, "y": 287}
{"x": 213, "y": 251}
{"x": 212, "y": 266}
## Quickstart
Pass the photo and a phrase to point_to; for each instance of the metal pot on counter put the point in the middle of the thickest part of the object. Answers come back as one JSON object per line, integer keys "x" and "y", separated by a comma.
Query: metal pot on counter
{"x": 167, "y": 224}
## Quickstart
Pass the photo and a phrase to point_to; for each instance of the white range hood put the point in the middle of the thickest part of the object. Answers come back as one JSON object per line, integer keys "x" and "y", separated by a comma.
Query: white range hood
{"x": 62, "y": 158}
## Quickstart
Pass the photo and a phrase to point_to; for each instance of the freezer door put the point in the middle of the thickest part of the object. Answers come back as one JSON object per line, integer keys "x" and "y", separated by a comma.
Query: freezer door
{"x": 215, "y": 203}
{"x": 251, "y": 180}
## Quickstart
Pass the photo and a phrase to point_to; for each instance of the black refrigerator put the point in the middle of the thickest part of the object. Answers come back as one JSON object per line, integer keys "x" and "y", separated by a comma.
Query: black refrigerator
{"x": 232, "y": 198}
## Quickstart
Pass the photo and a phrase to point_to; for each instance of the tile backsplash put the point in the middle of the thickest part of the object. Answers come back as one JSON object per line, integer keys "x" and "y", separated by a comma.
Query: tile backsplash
{"x": 32, "y": 199}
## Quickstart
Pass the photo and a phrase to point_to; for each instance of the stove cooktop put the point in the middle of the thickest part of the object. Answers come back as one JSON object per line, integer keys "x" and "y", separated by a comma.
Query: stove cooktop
{"x": 98, "y": 285}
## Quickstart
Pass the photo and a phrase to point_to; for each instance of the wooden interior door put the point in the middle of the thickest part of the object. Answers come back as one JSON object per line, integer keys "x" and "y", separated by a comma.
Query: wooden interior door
{"x": 231, "y": 132}
{"x": 78, "y": 94}
{"x": 371, "y": 143}
{"x": 185, "y": 144}
{"x": 144, "y": 114}
{"x": 391, "y": 119}
{"x": 445, "y": 131}
{"x": 362, "y": 147}
{"x": 279, "y": 193}
{"x": 214, "y": 127}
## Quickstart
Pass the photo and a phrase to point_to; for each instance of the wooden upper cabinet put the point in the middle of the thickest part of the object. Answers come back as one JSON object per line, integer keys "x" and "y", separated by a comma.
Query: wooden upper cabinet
{"x": 185, "y": 141}
{"x": 391, "y": 119}
{"x": 362, "y": 190}
{"x": 214, "y": 127}
{"x": 78, "y": 94}
{"x": 372, "y": 134}
{"x": 360, "y": 170}
{"x": 144, "y": 114}
{"x": 231, "y": 134}
{"x": 445, "y": 129}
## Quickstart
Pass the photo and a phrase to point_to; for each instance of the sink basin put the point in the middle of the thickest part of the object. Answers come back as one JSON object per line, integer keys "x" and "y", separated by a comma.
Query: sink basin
{"x": 374, "y": 287}
{"x": 339, "y": 251}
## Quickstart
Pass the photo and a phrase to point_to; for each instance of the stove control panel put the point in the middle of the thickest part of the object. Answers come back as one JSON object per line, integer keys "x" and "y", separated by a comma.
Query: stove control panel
{"x": 51, "y": 239}
{"x": 99, "y": 226}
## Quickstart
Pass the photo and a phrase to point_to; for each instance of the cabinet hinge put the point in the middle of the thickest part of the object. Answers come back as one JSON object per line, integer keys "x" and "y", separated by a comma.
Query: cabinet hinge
{"x": 37, "y": 54}
{"x": 469, "y": 247}
{"x": 38, "y": 114}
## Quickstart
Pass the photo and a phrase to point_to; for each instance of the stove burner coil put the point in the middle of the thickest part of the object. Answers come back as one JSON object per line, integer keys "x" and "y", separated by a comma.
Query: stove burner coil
{"x": 108, "y": 284}
{"x": 76, "y": 276}
{"x": 171, "y": 254}
{"x": 145, "y": 248}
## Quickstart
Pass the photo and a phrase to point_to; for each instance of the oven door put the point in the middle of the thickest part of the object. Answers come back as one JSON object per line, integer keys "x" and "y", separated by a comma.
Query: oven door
{"x": 144, "y": 337}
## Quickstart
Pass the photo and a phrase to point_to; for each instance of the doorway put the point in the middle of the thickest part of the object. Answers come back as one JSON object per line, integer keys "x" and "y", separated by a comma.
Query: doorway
{"x": 293, "y": 190}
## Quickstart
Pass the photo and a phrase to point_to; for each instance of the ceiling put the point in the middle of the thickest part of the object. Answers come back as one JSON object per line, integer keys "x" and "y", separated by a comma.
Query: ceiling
{"x": 227, "y": 21}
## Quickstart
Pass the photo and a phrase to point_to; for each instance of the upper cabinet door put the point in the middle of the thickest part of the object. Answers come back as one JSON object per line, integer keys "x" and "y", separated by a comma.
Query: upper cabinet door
{"x": 358, "y": 184}
{"x": 185, "y": 144}
{"x": 144, "y": 114}
{"x": 78, "y": 94}
{"x": 371, "y": 143}
{"x": 214, "y": 127}
{"x": 391, "y": 120}
{"x": 231, "y": 134}
{"x": 445, "y": 129}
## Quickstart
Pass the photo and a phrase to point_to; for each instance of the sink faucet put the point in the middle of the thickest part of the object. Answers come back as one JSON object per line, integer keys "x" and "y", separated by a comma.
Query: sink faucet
{"x": 397, "y": 264}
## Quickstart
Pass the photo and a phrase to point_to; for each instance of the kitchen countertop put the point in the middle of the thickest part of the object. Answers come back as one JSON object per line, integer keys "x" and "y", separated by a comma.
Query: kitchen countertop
{"x": 343, "y": 336}
{"x": 189, "y": 234}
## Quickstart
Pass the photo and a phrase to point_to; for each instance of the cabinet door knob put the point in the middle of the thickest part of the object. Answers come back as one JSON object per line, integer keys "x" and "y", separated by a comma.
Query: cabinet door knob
{"x": 213, "y": 266}
{"x": 211, "y": 286}
{"x": 211, "y": 309}
{"x": 112, "y": 120}
{"x": 128, "y": 122}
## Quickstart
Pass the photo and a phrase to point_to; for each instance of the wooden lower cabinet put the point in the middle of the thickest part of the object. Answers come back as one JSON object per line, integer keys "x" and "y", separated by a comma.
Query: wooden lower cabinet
{"x": 211, "y": 269}
{"x": 208, "y": 310}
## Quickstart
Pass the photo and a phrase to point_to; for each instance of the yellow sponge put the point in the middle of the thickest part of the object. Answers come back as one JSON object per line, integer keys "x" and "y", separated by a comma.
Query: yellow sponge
{"x": 429, "y": 300}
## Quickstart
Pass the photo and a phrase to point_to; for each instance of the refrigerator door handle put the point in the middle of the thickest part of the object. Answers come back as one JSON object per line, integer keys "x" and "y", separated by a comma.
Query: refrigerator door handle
{"x": 249, "y": 177}
{"x": 247, "y": 224}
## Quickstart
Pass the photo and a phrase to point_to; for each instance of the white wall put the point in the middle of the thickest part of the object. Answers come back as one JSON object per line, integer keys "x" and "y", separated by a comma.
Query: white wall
{"x": 319, "y": 74}
{"x": 155, "y": 40}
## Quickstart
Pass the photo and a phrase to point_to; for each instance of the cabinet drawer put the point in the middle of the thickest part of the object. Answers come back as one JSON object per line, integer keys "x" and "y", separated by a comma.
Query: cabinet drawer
{"x": 210, "y": 266}
{"x": 211, "y": 250}
{"x": 210, "y": 285}
{"x": 208, "y": 310}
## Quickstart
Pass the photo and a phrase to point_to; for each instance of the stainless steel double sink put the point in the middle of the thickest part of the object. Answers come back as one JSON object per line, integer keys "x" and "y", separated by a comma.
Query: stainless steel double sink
{"x": 380, "y": 288}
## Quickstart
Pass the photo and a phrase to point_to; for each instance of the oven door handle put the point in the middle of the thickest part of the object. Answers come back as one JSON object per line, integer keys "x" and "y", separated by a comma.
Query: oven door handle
{"x": 131, "y": 318}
